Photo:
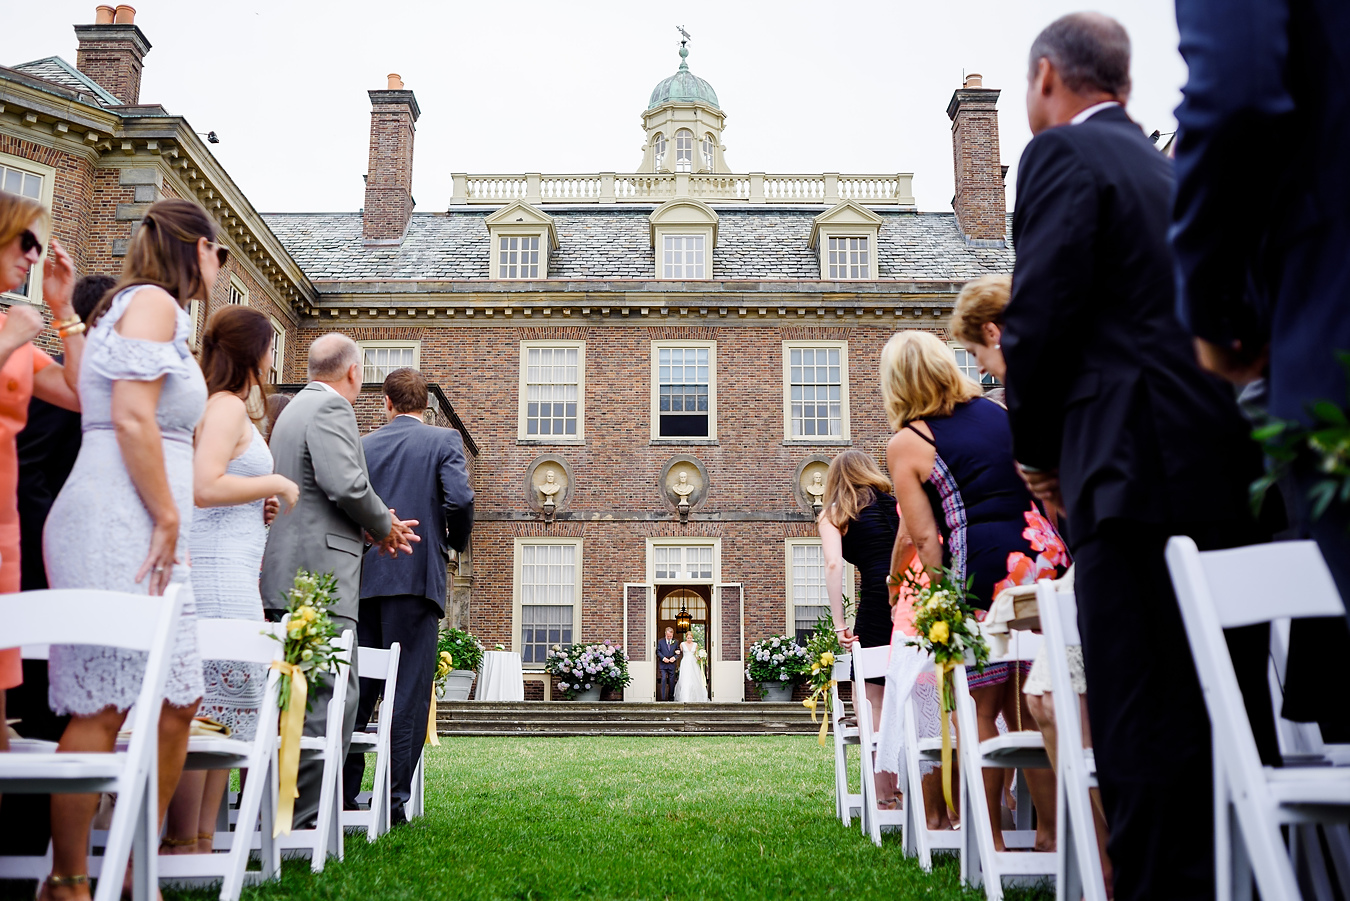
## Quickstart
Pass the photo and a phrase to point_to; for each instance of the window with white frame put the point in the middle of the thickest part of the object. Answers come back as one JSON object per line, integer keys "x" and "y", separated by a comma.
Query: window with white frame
{"x": 26, "y": 184}
{"x": 970, "y": 367}
{"x": 848, "y": 257}
{"x": 518, "y": 256}
{"x": 684, "y": 150}
{"x": 551, "y": 390}
{"x": 817, "y": 390}
{"x": 238, "y": 293}
{"x": 709, "y": 148}
{"x": 547, "y": 593}
{"x": 685, "y": 388}
{"x": 379, "y": 358}
{"x": 682, "y": 562}
{"x": 658, "y": 151}
{"x": 809, "y": 600}
{"x": 682, "y": 256}
{"x": 278, "y": 358}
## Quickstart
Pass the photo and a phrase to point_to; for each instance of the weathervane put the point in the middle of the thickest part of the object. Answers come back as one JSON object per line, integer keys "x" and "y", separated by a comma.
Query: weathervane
{"x": 684, "y": 35}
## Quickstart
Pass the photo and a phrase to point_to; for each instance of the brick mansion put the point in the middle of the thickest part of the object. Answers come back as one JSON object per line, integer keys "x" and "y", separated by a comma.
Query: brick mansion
{"x": 649, "y": 368}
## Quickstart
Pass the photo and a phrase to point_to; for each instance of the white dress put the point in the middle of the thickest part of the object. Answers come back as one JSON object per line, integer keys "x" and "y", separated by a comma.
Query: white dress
{"x": 690, "y": 686}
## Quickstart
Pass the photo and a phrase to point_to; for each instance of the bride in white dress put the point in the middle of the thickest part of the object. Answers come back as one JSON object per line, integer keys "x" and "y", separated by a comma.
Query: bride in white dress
{"x": 690, "y": 686}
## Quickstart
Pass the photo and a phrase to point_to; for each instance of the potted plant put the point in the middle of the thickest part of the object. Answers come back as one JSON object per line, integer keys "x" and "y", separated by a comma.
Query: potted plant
{"x": 584, "y": 670}
{"x": 777, "y": 664}
{"x": 466, "y": 653}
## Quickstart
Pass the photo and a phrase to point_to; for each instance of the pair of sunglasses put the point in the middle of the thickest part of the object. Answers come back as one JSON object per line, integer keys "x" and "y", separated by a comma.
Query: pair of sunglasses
{"x": 222, "y": 252}
{"x": 29, "y": 242}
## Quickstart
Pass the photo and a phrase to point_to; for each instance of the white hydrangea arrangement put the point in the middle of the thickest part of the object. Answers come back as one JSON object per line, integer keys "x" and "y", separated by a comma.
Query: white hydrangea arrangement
{"x": 779, "y": 659}
{"x": 580, "y": 667}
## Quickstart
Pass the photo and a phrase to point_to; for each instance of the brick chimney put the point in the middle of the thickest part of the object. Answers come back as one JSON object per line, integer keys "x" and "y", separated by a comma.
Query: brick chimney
{"x": 980, "y": 202}
{"x": 389, "y": 200}
{"x": 112, "y": 51}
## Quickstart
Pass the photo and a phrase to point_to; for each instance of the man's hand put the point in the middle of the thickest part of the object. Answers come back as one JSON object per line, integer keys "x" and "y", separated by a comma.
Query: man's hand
{"x": 1044, "y": 485}
{"x": 1236, "y": 364}
{"x": 401, "y": 536}
{"x": 271, "y": 507}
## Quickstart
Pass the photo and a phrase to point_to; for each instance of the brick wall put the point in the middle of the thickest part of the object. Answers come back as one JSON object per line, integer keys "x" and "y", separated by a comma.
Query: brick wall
{"x": 981, "y": 203}
{"x": 389, "y": 202}
{"x": 113, "y": 55}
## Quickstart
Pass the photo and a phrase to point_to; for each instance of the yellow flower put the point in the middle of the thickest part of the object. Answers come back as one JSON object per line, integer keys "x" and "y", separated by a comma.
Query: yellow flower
{"x": 827, "y": 659}
{"x": 306, "y": 613}
{"x": 938, "y": 633}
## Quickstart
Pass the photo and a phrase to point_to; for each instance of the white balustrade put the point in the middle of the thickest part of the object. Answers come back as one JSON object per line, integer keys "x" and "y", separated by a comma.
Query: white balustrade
{"x": 606, "y": 187}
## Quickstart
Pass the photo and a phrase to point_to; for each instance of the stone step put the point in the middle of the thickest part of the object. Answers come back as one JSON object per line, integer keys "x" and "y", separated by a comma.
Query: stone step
{"x": 619, "y": 718}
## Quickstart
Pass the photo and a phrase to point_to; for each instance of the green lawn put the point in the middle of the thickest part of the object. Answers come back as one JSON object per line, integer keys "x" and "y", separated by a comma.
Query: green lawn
{"x": 608, "y": 817}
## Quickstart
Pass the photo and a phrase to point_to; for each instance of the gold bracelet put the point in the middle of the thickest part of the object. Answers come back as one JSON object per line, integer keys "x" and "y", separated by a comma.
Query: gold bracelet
{"x": 76, "y": 329}
{"x": 65, "y": 323}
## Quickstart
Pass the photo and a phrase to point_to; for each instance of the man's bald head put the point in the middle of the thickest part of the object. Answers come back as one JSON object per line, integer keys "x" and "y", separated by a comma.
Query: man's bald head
{"x": 331, "y": 357}
{"x": 1090, "y": 51}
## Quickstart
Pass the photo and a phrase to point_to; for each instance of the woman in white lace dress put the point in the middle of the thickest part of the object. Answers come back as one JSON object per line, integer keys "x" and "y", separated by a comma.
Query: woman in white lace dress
{"x": 691, "y": 685}
{"x": 231, "y": 482}
{"x": 121, "y": 521}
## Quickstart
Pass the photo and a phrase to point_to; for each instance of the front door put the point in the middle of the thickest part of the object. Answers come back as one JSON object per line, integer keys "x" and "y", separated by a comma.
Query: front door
{"x": 694, "y": 600}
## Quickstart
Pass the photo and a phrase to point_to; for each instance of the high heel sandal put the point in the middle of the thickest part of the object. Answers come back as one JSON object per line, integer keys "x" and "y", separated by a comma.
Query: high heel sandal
{"x": 60, "y": 882}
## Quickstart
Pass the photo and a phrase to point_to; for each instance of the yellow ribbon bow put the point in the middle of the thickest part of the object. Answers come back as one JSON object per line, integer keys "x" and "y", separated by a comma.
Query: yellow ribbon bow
{"x": 432, "y": 738}
{"x": 292, "y": 728}
{"x": 945, "y": 686}
{"x": 820, "y": 694}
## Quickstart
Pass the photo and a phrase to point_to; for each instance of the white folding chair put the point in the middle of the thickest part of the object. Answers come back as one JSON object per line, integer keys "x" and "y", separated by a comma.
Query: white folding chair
{"x": 981, "y": 865}
{"x": 920, "y": 841}
{"x": 111, "y": 619}
{"x": 1079, "y": 874}
{"x": 1220, "y": 590}
{"x": 381, "y": 665}
{"x": 249, "y": 641}
{"x": 845, "y": 735}
{"x": 326, "y": 836}
{"x": 871, "y": 663}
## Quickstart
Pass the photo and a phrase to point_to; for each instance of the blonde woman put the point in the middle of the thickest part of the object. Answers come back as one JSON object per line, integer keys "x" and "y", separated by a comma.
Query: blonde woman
{"x": 966, "y": 508}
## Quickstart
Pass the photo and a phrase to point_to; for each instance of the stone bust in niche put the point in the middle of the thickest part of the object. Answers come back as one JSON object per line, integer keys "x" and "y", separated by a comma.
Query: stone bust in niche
{"x": 815, "y": 489}
{"x": 549, "y": 488}
{"x": 683, "y": 489}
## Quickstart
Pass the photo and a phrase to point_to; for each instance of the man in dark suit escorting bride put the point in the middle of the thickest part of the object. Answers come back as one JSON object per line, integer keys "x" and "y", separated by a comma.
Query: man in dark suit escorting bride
{"x": 667, "y": 652}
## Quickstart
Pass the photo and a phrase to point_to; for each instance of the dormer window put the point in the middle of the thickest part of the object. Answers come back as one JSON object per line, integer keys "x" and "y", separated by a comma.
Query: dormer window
{"x": 846, "y": 236}
{"x": 848, "y": 258}
{"x": 521, "y": 239}
{"x": 682, "y": 256}
{"x": 684, "y": 150}
{"x": 709, "y": 145}
{"x": 684, "y": 235}
{"x": 659, "y": 150}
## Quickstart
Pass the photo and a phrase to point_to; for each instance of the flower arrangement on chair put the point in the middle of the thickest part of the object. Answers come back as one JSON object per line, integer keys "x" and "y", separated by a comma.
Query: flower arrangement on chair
{"x": 945, "y": 626}
{"x": 822, "y": 650}
{"x": 582, "y": 667}
{"x": 307, "y": 654}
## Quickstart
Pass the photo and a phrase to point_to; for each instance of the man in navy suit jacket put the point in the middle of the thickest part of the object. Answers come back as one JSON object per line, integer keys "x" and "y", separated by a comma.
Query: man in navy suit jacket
{"x": 1262, "y": 215}
{"x": 422, "y": 468}
{"x": 1114, "y": 421}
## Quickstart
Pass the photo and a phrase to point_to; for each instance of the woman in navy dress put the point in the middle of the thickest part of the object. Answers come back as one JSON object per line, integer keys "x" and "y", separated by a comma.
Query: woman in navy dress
{"x": 965, "y": 508}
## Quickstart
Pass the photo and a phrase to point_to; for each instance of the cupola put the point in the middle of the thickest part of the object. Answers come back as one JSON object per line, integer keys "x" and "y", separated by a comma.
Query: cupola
{"x": 683, "y": 123}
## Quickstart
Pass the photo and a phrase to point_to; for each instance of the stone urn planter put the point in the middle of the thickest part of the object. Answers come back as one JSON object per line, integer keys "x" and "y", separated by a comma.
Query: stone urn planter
{"x": 590, "y": 695}
{"x": 457, "y": 684}
{"x": 776, "y": 691}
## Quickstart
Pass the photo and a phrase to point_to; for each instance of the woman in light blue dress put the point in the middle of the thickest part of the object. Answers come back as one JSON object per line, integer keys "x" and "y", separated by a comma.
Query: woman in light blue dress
{"x": 122, "y": 520}
{"x": 233, "y": 479}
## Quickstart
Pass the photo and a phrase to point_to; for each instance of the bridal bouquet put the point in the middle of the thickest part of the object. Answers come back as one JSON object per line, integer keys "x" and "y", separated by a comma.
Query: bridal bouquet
{"x": 580, "y": 667}
{"x": 945, "y": 626}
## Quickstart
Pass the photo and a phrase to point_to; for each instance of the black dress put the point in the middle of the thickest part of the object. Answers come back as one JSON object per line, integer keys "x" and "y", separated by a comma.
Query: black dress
{"x": 867, "y": 545}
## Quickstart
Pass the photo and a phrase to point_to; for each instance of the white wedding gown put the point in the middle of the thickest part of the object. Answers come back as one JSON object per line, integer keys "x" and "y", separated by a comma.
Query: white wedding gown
{"x": 690, "y": 686}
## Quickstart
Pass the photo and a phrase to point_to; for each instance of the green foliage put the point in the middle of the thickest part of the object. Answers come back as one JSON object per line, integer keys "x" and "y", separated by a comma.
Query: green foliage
{"x": 464, "y": 649}
{"x": 1324, "y": 447}
{"x": 778, "y": 659}
{"x": 310, "y": 631}
{"x": 944, "y": 620}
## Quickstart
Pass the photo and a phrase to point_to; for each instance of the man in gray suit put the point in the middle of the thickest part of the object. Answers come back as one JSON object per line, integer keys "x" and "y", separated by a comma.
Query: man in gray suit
{"x": 315, "y": 443}
{"x": 421, "y": 469}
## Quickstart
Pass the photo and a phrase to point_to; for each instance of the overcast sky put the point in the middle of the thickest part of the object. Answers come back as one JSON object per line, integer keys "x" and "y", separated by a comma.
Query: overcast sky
{"x": 558, "y": 87}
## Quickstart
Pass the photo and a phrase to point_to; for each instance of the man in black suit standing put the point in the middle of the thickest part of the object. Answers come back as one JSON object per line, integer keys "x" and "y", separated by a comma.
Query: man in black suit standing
{"x": 1115, "y": 423}
{"x": 1272, "y": 284}
{"x": 666, "y": 652}
{"x": 422, "y": 468}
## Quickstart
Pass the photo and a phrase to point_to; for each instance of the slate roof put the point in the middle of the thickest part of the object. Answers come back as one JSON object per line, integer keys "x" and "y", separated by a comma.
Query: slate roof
{"x": 614, "y": 243}
{"x": 58, "y": 71}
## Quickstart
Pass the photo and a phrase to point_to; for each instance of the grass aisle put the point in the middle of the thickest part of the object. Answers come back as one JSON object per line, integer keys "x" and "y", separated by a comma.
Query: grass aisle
{"x": 616, "y": 817}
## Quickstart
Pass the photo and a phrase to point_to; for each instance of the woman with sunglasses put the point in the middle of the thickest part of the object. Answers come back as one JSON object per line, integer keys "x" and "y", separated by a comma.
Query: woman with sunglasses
{"x": 26, "y": 371}
{"x": 122, "y": 519}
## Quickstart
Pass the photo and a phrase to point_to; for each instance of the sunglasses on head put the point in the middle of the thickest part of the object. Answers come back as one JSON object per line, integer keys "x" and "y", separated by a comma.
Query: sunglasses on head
{"x": 29, "y": 242}
{"x": 222, "y": 252}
